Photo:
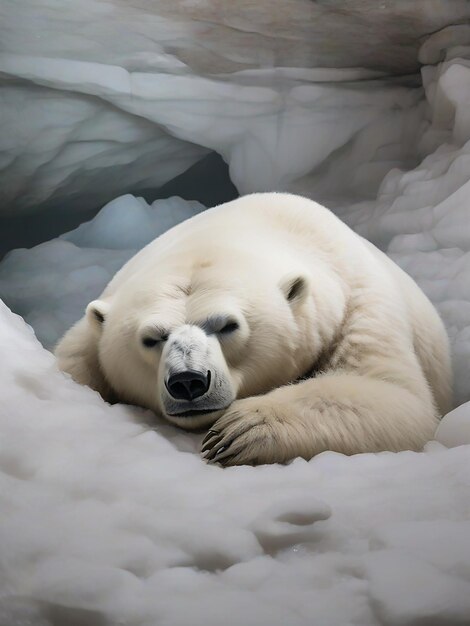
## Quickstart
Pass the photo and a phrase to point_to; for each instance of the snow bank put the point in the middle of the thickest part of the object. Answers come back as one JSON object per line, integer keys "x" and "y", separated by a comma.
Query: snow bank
{"x": 107, "y": 521}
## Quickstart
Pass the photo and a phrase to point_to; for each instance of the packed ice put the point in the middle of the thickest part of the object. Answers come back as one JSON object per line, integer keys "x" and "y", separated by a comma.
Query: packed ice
{"x": 108, "y": 514}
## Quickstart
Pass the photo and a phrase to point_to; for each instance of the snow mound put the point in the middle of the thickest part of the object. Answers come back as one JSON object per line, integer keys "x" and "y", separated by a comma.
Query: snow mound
{"x": 106, "y": 520}
{"x": 454, "y": 429}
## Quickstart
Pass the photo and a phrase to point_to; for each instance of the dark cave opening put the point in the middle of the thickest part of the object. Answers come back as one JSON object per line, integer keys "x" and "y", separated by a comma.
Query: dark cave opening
{"x": 207, "y": 181}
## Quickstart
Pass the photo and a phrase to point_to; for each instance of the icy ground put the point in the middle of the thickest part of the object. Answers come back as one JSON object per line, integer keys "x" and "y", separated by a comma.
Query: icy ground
{"x": 108, "y": 518}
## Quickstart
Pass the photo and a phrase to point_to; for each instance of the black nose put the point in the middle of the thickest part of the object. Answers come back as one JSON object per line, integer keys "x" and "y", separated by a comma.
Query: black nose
{"x": 188, "y": 385}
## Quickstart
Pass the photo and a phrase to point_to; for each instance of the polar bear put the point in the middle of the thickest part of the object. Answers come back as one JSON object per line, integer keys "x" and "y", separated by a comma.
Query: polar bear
{"x": 273, "y": 324}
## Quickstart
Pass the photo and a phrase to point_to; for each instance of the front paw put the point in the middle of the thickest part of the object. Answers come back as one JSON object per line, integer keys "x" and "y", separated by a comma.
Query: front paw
{"x": 251, "y": 432}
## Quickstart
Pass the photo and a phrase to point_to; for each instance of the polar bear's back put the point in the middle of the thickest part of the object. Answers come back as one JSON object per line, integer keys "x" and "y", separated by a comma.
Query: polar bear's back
{"x": 430, "y": 338}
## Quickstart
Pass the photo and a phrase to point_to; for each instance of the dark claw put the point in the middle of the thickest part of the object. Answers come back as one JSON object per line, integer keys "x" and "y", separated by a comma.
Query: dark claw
{"x": 221, "y": 461}
{"x": 210, "y": 434}
{"x": 216, "y": 450}
{"x": 223, "y": 453}
{"x": 219, "y": 457}
{"x": 210, "y": 454}
{"x": 207, "y": 444}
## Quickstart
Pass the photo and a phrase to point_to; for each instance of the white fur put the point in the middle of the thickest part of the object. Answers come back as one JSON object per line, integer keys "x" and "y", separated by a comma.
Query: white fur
{"x": 378, "y": 347}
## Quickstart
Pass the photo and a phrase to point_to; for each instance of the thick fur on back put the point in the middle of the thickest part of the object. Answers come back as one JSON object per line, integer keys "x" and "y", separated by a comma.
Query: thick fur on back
{"x": 308, "y": 295}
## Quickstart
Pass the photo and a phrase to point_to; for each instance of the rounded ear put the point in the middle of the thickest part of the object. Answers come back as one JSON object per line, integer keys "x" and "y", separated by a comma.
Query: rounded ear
{"x": 295, "y": 287}
{"x": 96, "y": 313}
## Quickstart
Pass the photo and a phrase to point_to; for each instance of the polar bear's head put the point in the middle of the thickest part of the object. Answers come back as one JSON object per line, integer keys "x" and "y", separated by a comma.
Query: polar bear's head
{"x": 188, "y": 338}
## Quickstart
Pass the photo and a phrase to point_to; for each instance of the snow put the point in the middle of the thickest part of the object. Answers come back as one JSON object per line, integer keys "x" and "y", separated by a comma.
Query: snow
{"x": 109, "y": 515}
{"x": 454, "y": 429}
{"x": 105, "y": 515}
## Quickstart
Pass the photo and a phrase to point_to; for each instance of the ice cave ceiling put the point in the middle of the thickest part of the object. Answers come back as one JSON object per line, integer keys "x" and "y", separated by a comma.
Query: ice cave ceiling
{"x": 104, "y": 98}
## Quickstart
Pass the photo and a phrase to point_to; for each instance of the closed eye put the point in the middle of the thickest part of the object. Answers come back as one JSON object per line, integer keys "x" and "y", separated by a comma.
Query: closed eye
{"x": 151, "y": 342}
{"x": 229, "y": 328}
{"x": 219, "y": 324}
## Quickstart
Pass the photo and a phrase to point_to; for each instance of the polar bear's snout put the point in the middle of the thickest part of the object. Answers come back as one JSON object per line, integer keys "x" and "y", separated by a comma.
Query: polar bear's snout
{"x": 195, "y": 380}
{"x": 188, "y": 384}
